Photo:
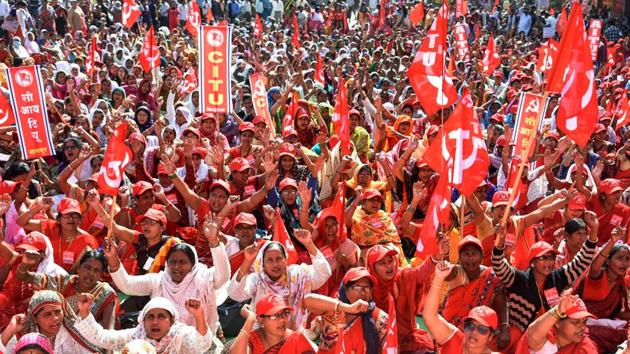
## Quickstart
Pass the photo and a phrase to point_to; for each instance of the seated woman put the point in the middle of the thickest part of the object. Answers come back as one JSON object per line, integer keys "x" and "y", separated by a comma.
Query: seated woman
{"x": 605, "y": 294}
{"x": 273, "y": 274}
{"x": 471, "y": 285}
{"x": 87, "y": 280}
{"x": 364, "y": 325}
{"x": 273, "y": 335}
{"x": 479, "y": 327}
{"x": 560, "y": 330}
{"x": 159, "y": 324}
{"x": 47, "y": 314}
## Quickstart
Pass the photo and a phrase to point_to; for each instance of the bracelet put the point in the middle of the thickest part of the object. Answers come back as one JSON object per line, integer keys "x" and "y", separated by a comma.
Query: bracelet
{"x": 112, "y": 270}
{"x": 504, "y": 324}
{"x": 173, "y": 175}
{"x": 556, "y": 313}
{"x": 337, "y": 305}
{"x": 215, "y": 245}
{"x": 23, "y": 188}
{"x": 244, "y": 332}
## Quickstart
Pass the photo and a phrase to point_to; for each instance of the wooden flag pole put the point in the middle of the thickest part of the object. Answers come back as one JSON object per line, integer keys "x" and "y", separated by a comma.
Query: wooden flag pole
{"x": 461, "y": 217}
{"x": 111, "y": 219}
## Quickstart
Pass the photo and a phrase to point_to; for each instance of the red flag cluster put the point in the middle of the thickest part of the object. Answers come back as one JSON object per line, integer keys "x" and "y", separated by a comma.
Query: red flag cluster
{"x": 416, "y": 15}
{"x": 546, "y": 54}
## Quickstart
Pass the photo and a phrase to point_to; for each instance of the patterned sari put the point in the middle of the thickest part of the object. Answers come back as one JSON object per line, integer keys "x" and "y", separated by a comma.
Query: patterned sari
{"x": 295, "y": 343}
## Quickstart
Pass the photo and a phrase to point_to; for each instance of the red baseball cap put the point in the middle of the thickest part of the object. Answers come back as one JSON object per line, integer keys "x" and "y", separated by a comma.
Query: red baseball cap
{"x": 200, "y": 151}
{"x": 161, "y": 169}
{"x": 68, "y": 205}
{"x": 288, "y": 182}
{"x": 371, "y": 193}
{"x": 287, "y": 149}
{"x": 498, "y": 117}
{"x": 610, "y": 186}
{"x": 33, "y": 241}
{"x": 288, "y": 131}
{"x": 259, "y": 120}
{"x": 219, "y": 183}
{"x": 469, "y": 240}
{"x": 553, "y": 135}
{"x": 484, "y": 315}
{"x": 94, "y": 177}
{"x": 239, "y": 164}
{"x": 246, "y": 126}
{"x": 539, "y": 249}
{"x": 502, "y": 141}
{"x": 378, "y": 252}
{"x": 140, "y": 187}
{"x": 7, "y": 187}
{"x": 206, "y": 116}
{"x": 357, "y": 273}
{"x": 271, "y": 304}
{"x": 192, "y": 130}
{"x": 578, "y": 311}
{"x": 500, "y": 198}
{"x": 600, "y": 128}
{"x": 578, "y": 202}
{"x": 245, "y": 218}
{"x": 152, "y": 214}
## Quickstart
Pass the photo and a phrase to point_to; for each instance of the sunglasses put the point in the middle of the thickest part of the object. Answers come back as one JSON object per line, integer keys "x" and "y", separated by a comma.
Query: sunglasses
{"x": 279, "y": 315}
{"x": 470, "y": 325}
{"x": 547, "y": 257}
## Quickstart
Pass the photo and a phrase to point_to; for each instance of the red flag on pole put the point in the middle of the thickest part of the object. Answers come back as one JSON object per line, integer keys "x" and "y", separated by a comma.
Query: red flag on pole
{"x": 194, "y": 19}
{"x": 546, "y": 55}
{"x": 116, "y": 158}
{"x": 281, "y": 235}
{"x": 130, "y": 13}
{"x": 295, "y": 39}
{"x": 338, "y": 207}
{"x": 434, "y": 89}
{"x": 573, "y": 77}
{"x": 391, "y": 341}
{"x": 190, "y": 83}
{"x": 416, "y": 15}
{"x": 382, "y": 14}
{"x": 491, "y": 59}
{"x": 149, "y": 57}
{"x": 209, "y": 15}
{"x": 623, "y": 111}
{"x": 319, "y": 70}
{"x": 562, "y": 21}
{"x": 341, "y": 118}
{"x": 89, "y": 64}
{"x": 7, "y": 117}
{"x": 258, "y": 27}
{"x": 438, "y": 213}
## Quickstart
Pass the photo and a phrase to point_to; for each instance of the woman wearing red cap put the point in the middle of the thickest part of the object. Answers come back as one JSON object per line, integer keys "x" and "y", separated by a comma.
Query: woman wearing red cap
{"x": 354, "y": 312}
{"x": 479, "y": 325}
{"x": 611, "y": 212}
{"x": 273, "y": 335}
{"x": 246, "y": 149}
{"x": 560, "y": 330}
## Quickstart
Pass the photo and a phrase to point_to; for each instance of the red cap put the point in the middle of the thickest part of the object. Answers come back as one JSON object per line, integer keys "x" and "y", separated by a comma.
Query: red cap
{"x": 287, "y": 149}
{"x": 259, "y": 120}
{"x": 7, "y": 187}
{"x": 288, "y": 182}
{"x": 68, "y": 205}
{"x": 191, "y": 130}
{"x": 498, "y": 117}
{"x": 161, "y": 169}
{"x": 553, "y": 135}
{"x": 220, "y": 184}
{"x": 246, "y": 126}
{"x": 271, "y": 304}
{"x": 138, "y": 137}
{"x": 288, "y": 131}
{"x": 239, "y": 164}
{"x": 94, "y": 177}
{"x": 502, "y": 141}
{"x": 200, "y": 151}
{"x": 245, "y": 218}
{"x": 206, "y": 116}
{"x": 140, "y": 187}
{"x": 578, "y": 311}
{"x": 378, "y": 252}
{"x": 484, "y": 315}
{"x": 371, "y": 193}
{"x": 604, "y": 116}
{"x": 540, "y": 248}
{"x": 498, "y": 73}
{"x": 356, "y": 273}
{"x": 500, "y": 198}
{"x": 468, "y": 240}
{"x": 354, "y": 111}
{"x": 610, "y": 186}
{"x": 421, "y": 163}
{"x": 152, "y": 214}
{"x": 600, "y": 128}
{"x": 578, "y": 202}
{"x": 33, "y": 241}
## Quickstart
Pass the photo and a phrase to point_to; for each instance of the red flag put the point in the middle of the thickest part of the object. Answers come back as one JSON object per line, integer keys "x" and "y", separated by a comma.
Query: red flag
{"x": 416, "y": 15}
{"x": 89, "y": 64}
{"x": 382, "y": 14}
{"x": 341, "y": 118}
{"x": 295, "y": 39}
{"x": 7, "y": 117}
{"x": 319, "y": 70}
{"x": 209, "y": 15}
{"x": 461, "y": 42}
{"x": 339, "y": 209}
{"x": 258, "y": 27}
{"x": 281, "y": 235}
{"x": 459, "y": 152}
{"x": 194, "y": 19}
{"x": 116, "y": 158}
{"x": 546, "y": 55}
{"x": 491, "y": 59}
{"x": 562, "y": 21}
{"x": 461, "y": 8}
{"x": 149, "y": 57}
{"x": 610, "y": 56}
{"x": 130, "y": 13}
{"x": 434, "y": 89}
{"x": 190, "y": 83}
{"x": 622, "y": 112}
{"x": 438, "y": 213}
{"x": 290, "y": 115}
{"x": 391, "y": 341}
{"x": 573, "y": 77}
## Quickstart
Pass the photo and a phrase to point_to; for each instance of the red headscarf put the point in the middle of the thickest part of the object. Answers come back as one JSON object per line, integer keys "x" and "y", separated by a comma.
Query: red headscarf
{"x": 382, "y": 288}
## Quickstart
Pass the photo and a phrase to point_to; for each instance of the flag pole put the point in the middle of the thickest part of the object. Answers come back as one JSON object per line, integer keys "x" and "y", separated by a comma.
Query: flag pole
{"x": 461, "y": 217}
{"x": 111, "y": 219}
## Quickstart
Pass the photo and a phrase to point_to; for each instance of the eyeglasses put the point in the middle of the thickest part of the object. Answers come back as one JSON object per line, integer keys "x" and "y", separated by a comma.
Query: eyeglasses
{"x": 277, "y": 316}
{"x": 70, "y": 147}
{"x": 470, "y": 325}
{"x": 71, "y": 216}
{"x": 547, "y": 257}
{"x": 289, "y": 191}
{"x": 361, "y": 288}
{"x": 148, "y": 222}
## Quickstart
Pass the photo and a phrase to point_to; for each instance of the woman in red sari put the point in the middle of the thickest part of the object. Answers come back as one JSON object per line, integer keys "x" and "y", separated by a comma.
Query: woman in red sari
{"x": 273, "y": 336}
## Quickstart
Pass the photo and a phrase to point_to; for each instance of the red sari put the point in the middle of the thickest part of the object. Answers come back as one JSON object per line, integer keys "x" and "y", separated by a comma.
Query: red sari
{"x": 619, "y": 215}
{"x": 586, "y": 346}
{"x": 67, "y": 254}
{"x": 14, "y": 295}
{"x": 296, "y": 343}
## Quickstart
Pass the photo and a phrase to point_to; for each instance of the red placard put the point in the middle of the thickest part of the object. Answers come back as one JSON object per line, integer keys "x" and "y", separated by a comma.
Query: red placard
{"x": 594, "y": 32}
{"x": 27, "y": 100}
{"x": 259, "y": 98}
{"x": 530, "y": 109}
{"x": 461, "y": 42}
{"x": 215, "y": 50}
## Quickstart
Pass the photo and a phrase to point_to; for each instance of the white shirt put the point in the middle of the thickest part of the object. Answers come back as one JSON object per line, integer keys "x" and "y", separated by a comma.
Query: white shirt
{"x": 4, "y": 8}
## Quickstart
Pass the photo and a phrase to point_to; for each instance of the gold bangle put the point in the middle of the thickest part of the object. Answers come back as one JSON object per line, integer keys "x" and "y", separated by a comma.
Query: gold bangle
{"x": 244, "y": 332}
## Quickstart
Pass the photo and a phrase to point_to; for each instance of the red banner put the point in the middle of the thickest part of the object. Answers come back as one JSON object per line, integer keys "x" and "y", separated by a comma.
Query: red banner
{"x": 461, "y": 42}
{"x": 27, "y": 100}
{"x": 528, "y": 119}
{"x": 116, "y": 158}
{"x": 215, "y": 50}
{"x": 594, "y": 33}
{"x": 259, "y": 98}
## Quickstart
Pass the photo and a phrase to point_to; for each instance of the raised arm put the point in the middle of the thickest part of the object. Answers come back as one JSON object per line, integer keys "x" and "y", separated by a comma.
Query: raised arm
{"x": 120, "y": 232}
{"x": 97, "y": 335}
{"x": 27, "y": 221}
{"x": 547, "y": 210}
{"x": 140, "y": 285}
{"x": 476, "y": 208}
{"x": 305, "y": 196}
{"x": 319, "y": 304}
{"x": 191, "y": 198}
{"x": 538, "y": 330}
{"x": 241, "y": 343}
{"x": 440, "y": 329}
{"x": 602, "y": 256}
{"x": 353, "y": 206}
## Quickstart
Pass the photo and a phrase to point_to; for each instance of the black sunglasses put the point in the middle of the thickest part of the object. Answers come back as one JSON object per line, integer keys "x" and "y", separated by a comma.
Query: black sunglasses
{"x": 470, "y": 325}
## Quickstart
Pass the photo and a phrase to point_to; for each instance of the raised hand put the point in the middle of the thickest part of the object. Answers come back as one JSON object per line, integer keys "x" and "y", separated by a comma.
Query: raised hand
{"x": 211, "y": 229}
{"x": 567, "y": 300}
{"x": 269, "y": 213}
{"x": 169, "y": 166}
{"x": 442, "y": 270}
{"x": 303, "y": 236}
{"x": 125, "y": 195}
{"x": 305, "y": 194}
{"x": 359, "y": 306}
{"x": 617, "y": 234}
{"x": 419, "y": 190}
{"x": 17, "y": 323}
{"x": 158, "y": 190}
{"x": 93, "y": 197}
{"x": 271, "y": 179}
{"x": 590, "y": 219}
{"x": 194, "y": 307}
{"x": 597, "y": 170}
{"x": 250, "y": 253}
{"x": 5, "y": 203}
{"x": 110, "y": 248}
{"x": 84, "y": 303}
{"x": 247, "y": 313}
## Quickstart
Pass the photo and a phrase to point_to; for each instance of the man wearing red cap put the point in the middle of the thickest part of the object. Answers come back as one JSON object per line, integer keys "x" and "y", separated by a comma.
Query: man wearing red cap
{"x": 69, "y": 241}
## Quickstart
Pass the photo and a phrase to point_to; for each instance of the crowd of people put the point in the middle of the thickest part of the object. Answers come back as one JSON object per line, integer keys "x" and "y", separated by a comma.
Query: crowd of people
{"x": 231, "y": 233}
